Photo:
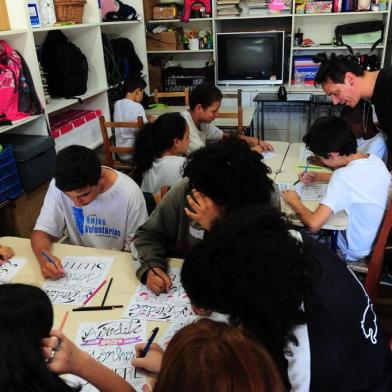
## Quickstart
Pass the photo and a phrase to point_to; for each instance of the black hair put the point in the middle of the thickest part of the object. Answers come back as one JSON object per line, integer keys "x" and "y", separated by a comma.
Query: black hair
{"x": 133, "y": 83}
{"x": 154, "y": 139}
{"x": 204, "y": 94}
{"x": 335, "y": 68}
{"x": 330, "y": 134}
{"x": 362, "y": 113}
{"x": 76, "y": 167}
{"x": 26, "y": 317}
{"x": 230, "y": 173}
{"x": 251, "y": 268}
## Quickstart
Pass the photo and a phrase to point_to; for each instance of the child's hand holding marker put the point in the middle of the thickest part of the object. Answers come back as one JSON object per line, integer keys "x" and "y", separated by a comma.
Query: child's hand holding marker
{"x": 51, "y": 266}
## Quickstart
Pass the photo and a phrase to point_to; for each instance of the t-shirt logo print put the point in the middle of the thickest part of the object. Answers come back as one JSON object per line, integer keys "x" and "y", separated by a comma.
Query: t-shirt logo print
{"x": 79, "y": 219}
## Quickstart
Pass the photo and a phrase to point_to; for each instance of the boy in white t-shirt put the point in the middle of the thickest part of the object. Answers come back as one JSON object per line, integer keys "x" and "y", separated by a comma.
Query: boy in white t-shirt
{"x": 370, "y": 140}
{"x": 358, "y": 185}
{"x": 129, "y": 109}
{"x": 100, "y": 207}
{"x": 204, "y": 103}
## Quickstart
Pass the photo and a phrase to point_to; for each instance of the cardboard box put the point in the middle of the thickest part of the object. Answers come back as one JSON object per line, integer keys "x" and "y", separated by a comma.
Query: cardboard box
{"x": 168, "y": 40}
{"x": 4, "y": 21}
{"x": 164, "y": 12}
{"x": 155, "y": 75}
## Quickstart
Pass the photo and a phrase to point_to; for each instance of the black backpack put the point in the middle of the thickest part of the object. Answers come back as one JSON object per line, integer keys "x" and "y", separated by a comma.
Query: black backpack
{"x": 66, "y": 65}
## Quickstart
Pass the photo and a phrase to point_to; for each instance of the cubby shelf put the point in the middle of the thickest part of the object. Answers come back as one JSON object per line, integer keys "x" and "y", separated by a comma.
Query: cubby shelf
{"x": 18, "y": 123}
{"x": 181, "y": 51}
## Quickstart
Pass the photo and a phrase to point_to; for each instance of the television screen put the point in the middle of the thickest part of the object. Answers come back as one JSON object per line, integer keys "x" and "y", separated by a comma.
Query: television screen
{"x": 250, "y": 58}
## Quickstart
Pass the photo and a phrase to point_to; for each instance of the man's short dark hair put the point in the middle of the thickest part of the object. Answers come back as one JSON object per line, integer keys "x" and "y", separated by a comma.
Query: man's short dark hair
{"x": 204, "y": 94}
{"x": 335, "y": 68}
{"x": 133, "y": 83}
{"x": 230, "y": 173}
{"x": 76, "y": 167}
{"x": 330, "y": 134}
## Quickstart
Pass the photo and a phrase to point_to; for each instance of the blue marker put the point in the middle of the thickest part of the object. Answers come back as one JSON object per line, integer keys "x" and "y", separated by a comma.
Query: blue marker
{"x": 149, "y": 342}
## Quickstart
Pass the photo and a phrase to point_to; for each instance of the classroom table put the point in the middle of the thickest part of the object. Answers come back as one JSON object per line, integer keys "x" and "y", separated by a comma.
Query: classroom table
{"x": 247, "y": 115}
{"x": 291, "y": 167}
{"x": 275, "y": 162}
{"x": 122, "y": 289}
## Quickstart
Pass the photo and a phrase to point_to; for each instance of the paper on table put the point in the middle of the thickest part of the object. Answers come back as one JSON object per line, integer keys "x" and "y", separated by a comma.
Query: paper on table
{"x": 112, "y": 343}
{"x": 83, "y": 274}
{"x": 268, "y": 155}
{"x": 173, "y": 306}
{"x": 10, "y": 268}
{"x": 304, "y": 153}
{"x": 314, "y": 191}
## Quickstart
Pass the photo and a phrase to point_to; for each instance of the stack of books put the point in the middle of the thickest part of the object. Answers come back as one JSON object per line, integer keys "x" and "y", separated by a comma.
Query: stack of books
{"x": 228, "y": 7}
{"x": 256, "y": 7}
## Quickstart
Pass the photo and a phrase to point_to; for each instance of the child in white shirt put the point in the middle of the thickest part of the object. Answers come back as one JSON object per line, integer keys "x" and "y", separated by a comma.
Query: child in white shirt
{"x": 159, "y": 152}
{"x": 358, "y": 185}
{"x": 129, "y": 109}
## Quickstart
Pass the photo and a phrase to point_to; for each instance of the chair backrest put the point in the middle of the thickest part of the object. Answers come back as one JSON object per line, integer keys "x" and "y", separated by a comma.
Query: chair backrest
{"x": 174, "y": 94}
{"x": 158, "y": 196}
{"x": 238, "y": 115}
{"x": 237, "y": 95}
{"x": 372, "y": 281}
{"x": 109, "y": 148}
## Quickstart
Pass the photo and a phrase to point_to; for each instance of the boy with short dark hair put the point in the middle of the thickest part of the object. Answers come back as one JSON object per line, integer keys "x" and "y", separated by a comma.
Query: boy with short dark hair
{"x": 204, "y": 103}
{"x": 370, "y": 140}
{"x": 99, "y": 206}
{"x": 129, "y": 109}
{"x": 358, "y": 185}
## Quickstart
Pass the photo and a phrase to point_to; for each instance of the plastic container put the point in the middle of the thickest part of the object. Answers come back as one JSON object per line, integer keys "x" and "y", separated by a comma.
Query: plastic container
{"x": 10, "y": 186}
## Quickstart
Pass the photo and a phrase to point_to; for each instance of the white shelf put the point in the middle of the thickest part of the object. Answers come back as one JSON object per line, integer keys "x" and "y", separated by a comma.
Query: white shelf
{"x": 359, "y": 13}
{"x": 153, "y": 21}
{"x": 261, "y": 16}
{"x": 65, "y": 27}
{"x": 120, "y": 23}
{"x": 181, "y": 51}
{"x": 332, "y": 47}
{"x": 18, "y": 123}
{"x": 13, "y": 32}
{"x": 57, "y": 104}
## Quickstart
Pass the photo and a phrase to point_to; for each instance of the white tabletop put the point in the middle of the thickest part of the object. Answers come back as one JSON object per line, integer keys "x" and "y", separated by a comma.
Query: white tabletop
{"x": 122, "y": 289}
{"x": 275, "y": 160}
{"x": 291, "y": 167}
{"x": 247, "y": 114}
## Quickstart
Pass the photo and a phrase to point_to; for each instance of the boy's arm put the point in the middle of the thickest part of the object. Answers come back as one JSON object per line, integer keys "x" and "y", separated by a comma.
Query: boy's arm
{"x": 314, "y": 221}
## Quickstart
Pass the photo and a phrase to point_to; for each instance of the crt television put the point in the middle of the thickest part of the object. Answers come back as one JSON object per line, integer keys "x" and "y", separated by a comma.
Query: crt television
{"x": 250, "y": 57}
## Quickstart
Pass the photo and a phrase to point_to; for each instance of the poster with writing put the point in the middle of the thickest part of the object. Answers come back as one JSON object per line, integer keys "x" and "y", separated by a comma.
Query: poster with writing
{"x": 112, "y": 343}
{"x": 173, "y": 306}
{"x": 10, "y": 268}
{"x": 304, "y": 153}
{"x": 83, "y": 274}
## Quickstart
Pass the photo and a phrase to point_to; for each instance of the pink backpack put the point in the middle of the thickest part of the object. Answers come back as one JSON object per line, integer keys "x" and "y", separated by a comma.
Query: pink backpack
{"x": 108, "y": 6}
{"x": 10, "y": 72}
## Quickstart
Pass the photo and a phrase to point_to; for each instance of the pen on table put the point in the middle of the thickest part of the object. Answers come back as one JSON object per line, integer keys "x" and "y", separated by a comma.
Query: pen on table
{"x": 94, "y": 292}
{"x": 107, "y": 292}
{"x": 91, "y": 308}
{"x": 306, "y": 168}
{"x": 149, "y": 342}
{"x": 63, "y": 321}
{"x": 49, "y": 259}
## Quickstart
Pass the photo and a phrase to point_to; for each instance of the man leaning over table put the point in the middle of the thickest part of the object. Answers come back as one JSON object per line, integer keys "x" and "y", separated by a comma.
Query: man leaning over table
{"x": 100, "y": 207}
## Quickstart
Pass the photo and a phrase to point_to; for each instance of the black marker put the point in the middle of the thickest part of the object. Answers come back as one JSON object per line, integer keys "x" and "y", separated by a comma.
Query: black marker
{"x": 149, "y": 342}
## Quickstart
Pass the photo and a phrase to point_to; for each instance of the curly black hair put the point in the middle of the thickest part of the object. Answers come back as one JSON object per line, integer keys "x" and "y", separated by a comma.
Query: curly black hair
{"x": 251, "y": 268}
{"x": 230, "y": 173}
{"x": 335, "y": 68}
{"x": 330, "y": 134}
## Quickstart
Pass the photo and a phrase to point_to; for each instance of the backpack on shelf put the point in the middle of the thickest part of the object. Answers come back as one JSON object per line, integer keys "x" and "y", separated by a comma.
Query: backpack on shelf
{"x": 65, "y": 64}
{"x": 18, "y": 98}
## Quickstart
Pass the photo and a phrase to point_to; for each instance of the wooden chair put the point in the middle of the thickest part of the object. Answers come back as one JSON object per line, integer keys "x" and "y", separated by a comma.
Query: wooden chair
{"x": 237, "y": 115}
{"x": 237, "y": 95}
{"x": 374, "y": 267}
{"x": 174, "y": 94}
{"x": 110, "y": 149}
